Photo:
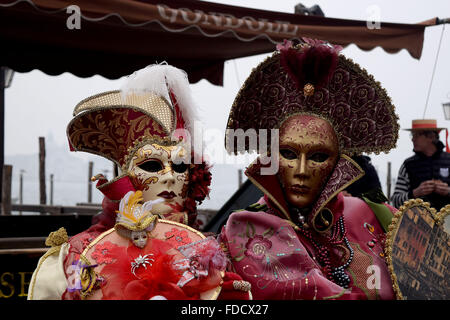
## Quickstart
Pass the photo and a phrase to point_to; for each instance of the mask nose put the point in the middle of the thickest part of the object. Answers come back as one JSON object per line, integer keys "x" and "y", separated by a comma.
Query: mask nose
{"x": 301, "y": 165}
{"x": 168, "y": 178}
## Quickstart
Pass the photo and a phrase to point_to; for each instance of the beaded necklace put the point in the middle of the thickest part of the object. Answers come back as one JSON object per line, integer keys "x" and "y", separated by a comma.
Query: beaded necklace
{"x": 338, "y": 236}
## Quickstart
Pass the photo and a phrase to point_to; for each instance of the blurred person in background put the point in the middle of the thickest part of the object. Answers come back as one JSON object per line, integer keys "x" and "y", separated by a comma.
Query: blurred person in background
{"x": 425, "y": 175}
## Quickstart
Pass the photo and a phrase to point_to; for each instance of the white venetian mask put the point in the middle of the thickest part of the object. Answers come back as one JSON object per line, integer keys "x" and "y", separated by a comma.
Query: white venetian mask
{"x": 139, "y": 238}
{"x": 156, "y": 171}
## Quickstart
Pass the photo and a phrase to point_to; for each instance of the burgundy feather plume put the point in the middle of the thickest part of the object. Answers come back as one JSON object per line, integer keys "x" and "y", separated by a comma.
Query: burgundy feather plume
{"x": 179, "y": 116}
{"x": 312, "y": 64}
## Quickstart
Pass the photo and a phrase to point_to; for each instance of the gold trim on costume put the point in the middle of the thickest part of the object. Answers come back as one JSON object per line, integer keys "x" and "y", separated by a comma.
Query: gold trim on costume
{"x": 165, "y": 132}
{"x": 110, "y": 181}
{"x": 361, "y": 174}
{"x": 340, "y": 294}
{"x": 153, "y": 105}
{"x": 57, "y": 238}
{"x": 142, "y": 141}
{"x": 259, "y": 186}
{"x": 94, "y": 242}
{"x": 141, "y": 225}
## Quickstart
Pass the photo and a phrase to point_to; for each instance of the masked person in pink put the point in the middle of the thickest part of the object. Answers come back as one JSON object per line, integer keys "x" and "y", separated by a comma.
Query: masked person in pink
{"x": 303, "y": 239}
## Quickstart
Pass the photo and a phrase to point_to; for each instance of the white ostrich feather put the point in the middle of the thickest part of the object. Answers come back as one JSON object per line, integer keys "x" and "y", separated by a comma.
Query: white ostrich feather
{"x": 156, "y": 78}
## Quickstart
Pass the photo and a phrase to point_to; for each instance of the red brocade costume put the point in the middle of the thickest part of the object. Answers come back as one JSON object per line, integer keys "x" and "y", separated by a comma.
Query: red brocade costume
{"x": 122, "y": 284}
{"x": 144, "y": 244}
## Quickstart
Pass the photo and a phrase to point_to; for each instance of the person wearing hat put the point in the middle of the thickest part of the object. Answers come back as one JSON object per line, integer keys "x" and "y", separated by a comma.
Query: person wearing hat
{"x": 425, "y": 175}
{"x": 304, "y": 239}
{"x": 144, "y": 244}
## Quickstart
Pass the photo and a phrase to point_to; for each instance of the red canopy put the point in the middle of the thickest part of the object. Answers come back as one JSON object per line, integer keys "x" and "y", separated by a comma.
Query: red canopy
{"x": 117, "y": 37}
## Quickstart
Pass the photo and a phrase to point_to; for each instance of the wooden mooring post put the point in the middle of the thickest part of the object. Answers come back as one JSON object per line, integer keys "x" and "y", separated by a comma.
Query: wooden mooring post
{"x": 239, "y": 178}
{"x": 388, "y": 181}
{"x": 6, "y": 189}
{"x": 51, "y": 188}
{"x": 90, "y": 174}
{"x": 42, "y": 189}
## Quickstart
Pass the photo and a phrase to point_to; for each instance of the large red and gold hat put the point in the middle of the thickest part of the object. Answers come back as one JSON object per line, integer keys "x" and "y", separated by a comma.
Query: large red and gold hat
{"x": 313, "y": 78}
{"x": 153, "y": 104}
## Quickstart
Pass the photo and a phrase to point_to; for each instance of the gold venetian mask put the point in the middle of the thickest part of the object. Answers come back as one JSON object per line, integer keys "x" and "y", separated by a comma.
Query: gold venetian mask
{"x": 159, "y": 172}
{"x": 309, "y": 151}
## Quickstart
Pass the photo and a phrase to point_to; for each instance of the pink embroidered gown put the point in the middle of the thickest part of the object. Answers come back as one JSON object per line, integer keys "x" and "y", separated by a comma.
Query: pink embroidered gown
{"x": 281, "y": 263}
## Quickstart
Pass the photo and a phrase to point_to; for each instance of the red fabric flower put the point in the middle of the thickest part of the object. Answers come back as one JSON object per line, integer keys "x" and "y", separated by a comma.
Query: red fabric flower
{"x": 198, "y": 189}
{"x": 155, "y": 278}
{"x": 177, "y": 237}
{"x": 102, "y": 251}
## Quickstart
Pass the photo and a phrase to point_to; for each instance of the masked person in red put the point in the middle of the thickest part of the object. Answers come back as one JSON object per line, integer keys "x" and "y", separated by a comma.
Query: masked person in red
{"x": 303, "y": 239}
{"x": 144, "y": 244}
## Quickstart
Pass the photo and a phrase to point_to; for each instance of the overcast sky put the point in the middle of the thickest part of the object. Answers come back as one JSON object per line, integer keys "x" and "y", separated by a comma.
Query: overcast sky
{"x": 39, "y": 105}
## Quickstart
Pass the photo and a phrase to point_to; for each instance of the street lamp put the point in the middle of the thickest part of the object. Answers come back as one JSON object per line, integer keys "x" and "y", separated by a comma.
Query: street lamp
{"x": 446, "y": 107}
{"x": 9, "y": 74}
{"x": 315, "y": 10}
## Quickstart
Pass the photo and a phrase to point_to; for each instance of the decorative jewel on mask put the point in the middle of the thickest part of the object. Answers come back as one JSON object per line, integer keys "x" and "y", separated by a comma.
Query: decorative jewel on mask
{"x": 308, "y": 90}
{"x": 301, "y": 219}
{"x": 134, "y": 219}
{"x": 141, "y": 261}
{"x": 324, "y": 220}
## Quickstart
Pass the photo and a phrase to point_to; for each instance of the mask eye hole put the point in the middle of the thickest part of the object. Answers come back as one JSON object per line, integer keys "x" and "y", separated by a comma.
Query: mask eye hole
{"x": 179, "y": 168}
{"x": 288, "y": 154}
{"x": 319, "y": 157}
{"x": 151, "y": 166}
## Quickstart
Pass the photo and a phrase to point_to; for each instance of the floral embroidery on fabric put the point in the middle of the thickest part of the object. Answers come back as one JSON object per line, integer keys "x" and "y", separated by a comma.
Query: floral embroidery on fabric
{"x": 102, "y": 251}
{"x": 85, "y": 241}
{"x": 257, "y": 247}
{"x": 176, "y": 237}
